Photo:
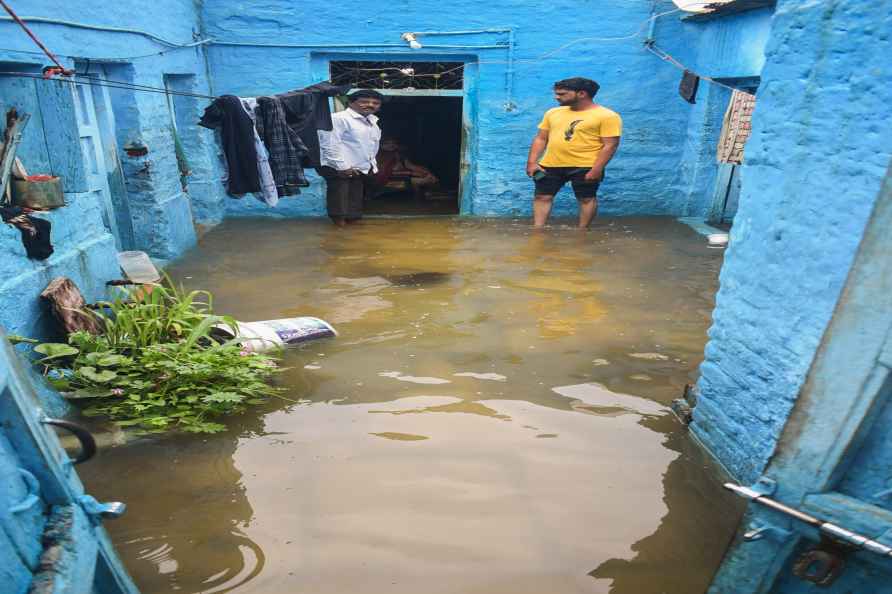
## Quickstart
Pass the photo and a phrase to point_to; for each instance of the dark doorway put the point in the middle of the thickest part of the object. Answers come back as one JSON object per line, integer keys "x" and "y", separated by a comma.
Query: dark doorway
{"x": 429, "y": 132}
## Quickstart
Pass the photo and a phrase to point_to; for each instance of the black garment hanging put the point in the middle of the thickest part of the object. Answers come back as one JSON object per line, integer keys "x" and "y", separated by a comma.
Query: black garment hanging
{"x": 237, "y": 134}
{"x": 688, "y": 86}
{"x": 35, "y": 231}
{"x": 307, "y": 111}
{"x": 284, "y": 145}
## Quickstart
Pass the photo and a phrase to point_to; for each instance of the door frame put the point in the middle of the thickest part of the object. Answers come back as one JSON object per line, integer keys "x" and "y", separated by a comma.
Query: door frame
{"x": 88, "y": 561}
{"x": 841, "y": 397}
{"x": 88, "y": 126}
{"x": 320, "y": 68}
{"x": 728, "y": 182}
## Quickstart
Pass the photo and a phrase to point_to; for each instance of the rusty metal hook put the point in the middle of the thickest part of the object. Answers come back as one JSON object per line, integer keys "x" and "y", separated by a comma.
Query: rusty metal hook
{"x": 83, "y": 435}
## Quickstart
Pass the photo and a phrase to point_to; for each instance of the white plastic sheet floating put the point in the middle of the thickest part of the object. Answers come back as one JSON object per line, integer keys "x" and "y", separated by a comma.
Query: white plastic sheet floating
{"x": 717, "y": 240}
{"x": 138, "y": 267}
{"x": 267, "y": 335}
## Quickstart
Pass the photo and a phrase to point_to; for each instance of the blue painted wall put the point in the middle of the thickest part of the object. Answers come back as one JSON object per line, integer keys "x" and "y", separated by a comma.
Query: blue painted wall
{"x": 730, "y": 48}
{"x": 647, "y": 176}
{"x": 653, "y": 174}
{"x": 155, "y": 213}
{"x": 813, "y": 171}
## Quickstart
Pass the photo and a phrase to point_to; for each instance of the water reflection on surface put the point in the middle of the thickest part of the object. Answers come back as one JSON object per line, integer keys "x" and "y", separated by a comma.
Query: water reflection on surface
{"x": 558, "y": 468}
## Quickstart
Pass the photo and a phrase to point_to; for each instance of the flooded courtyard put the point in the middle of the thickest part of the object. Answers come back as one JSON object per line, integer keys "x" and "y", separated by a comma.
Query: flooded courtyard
{"x": 493, "y": 417}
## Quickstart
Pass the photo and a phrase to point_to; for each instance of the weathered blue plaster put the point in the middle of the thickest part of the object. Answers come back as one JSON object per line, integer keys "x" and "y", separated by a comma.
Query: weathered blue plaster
{"x": 84, "y": 252}
{"x": 161, "y": 212}
{"x": 815, "y": 72}
{"x": 152, "y": 211}
{"x": 644, "y": 178}
{"x": 813, "y": 171}
{"x": 729, "y": 48}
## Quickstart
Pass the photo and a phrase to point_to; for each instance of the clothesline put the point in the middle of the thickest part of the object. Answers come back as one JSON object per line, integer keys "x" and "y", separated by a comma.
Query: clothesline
{"x": 267, "y": 141}
{"x": 113, "y": 84}
{"x": 666, "y": 57}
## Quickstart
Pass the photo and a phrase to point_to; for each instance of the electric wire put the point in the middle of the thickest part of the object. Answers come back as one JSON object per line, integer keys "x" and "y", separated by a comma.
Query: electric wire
{"x": 649, "y": 46}
{"x": 103, "y": 58}
{"x": 666, "y": 57}
{"x": 112, "y": 84}
{"x": 51, "y": 21}
{"x": 176, "y": 46}
{"x": 33, "y": 37}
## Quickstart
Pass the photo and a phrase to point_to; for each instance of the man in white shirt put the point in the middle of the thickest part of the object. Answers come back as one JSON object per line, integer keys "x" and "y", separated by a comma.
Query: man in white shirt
{"x": 347, "y": 155}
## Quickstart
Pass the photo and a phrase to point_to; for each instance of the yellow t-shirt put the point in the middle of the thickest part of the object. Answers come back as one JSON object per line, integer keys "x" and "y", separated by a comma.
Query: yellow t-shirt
{"x": 574, "y": 137}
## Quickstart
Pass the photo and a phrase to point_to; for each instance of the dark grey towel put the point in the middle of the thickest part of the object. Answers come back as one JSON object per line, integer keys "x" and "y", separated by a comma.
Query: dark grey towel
{"x": 688, "y": 86}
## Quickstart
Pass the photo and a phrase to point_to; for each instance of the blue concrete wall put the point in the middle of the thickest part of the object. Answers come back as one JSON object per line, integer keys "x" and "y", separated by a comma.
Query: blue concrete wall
{"x": 730, "y": 47}
{"x": 154, "y": 213}
{"x": 162, "y": 212}
{"x": 813, "y": 171}
{"x": 647, "y": 176}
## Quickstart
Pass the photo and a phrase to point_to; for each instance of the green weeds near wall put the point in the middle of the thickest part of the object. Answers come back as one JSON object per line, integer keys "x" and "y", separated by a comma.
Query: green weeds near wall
{"x": 156, "y": 366}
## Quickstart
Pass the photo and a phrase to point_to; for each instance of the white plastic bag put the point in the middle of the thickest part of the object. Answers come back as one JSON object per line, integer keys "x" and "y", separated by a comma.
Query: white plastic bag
{"x": 267, "y": 335}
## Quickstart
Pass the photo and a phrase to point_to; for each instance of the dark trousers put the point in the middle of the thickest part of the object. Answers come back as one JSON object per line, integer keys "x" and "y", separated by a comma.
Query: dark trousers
{"x": 344, "y": 195}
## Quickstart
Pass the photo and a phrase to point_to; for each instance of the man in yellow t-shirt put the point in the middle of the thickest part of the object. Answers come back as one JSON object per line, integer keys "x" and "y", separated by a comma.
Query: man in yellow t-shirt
{"x": 578, "y": 138}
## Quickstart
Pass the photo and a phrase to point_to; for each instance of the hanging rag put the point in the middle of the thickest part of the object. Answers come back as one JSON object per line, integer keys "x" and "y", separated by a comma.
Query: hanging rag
{"x": 285, "y": 147}
{"x": 268, "y": 192}
{"x": 228, "y": 115}
{"x": 307, "y": 111}
{"x": 35, "y": 231}
{"x": 688, "y": 86}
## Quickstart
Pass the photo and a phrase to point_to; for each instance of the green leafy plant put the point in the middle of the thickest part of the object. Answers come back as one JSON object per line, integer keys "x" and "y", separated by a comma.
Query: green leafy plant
{"x": 156, "y": 365}
{"x": 141, "y": 317}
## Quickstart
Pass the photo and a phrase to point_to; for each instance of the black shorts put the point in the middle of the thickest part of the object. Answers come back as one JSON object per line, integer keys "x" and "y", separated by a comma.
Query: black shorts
{"x": 556, "y": 177}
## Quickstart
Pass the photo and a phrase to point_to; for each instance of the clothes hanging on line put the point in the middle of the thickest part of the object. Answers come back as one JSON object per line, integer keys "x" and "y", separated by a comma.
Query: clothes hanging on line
{"x": 286, "y": 149}
{"x": 287, "y": 124}
{"x": 268, "y": 192}
{"x": 308, "y": 111}
{"x": 34, "y": 230}
{"x": 227, "y": 115}
{"x": 687, "y": 88}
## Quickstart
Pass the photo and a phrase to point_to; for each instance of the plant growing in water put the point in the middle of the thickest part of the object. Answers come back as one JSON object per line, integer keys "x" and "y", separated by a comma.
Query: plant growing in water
{"x": 156, "y": 366}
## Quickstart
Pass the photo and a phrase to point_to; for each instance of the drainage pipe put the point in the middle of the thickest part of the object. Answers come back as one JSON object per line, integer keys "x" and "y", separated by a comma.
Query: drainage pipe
{"x": 349, "y": 45}
{"x": 468, "y": 32}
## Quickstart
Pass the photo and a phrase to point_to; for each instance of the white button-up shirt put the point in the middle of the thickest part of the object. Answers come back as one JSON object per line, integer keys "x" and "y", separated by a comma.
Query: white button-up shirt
{"x": 352, "y": 143}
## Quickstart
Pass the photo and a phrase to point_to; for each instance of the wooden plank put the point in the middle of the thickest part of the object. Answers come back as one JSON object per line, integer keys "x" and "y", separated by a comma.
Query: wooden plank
{"x": 21, "y": 93}
{"x": 15, "y": 126}
{"x": 56, "y": 102}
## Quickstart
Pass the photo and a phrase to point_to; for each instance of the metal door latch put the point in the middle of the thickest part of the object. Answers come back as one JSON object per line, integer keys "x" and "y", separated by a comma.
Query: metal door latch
{"x": 760, "y": 531}
{"x": 828, "y": 530}
{"x": 98, "y": 511}
{"x": 88, "y": 443}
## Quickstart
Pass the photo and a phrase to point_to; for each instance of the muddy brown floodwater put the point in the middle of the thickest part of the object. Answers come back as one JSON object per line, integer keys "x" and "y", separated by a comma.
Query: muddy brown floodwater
{"x": 493, "y": 417}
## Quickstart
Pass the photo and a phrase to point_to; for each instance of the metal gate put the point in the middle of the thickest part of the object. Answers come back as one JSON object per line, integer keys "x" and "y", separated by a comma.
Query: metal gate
{"x": 51, "y": 538}
{"x": 820, "y": 519}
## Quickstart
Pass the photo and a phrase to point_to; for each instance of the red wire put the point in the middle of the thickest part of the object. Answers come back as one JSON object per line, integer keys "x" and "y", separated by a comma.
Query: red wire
{"x": 49, "y": 54}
